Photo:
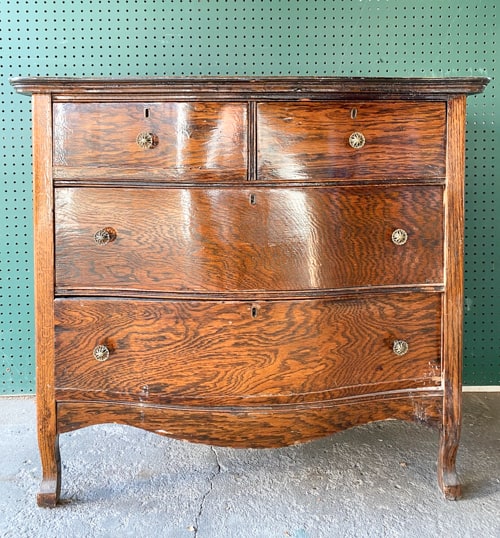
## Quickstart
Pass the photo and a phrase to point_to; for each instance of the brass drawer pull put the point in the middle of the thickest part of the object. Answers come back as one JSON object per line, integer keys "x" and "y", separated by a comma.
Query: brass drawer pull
{"x": 146, "y": 140}
{"x": 105, "y": 236}
{"x": 101, "y": 353}
{"x": 400, "y": 347}
{"x": 399, "y": 237}
{"x": 357, "y": 140}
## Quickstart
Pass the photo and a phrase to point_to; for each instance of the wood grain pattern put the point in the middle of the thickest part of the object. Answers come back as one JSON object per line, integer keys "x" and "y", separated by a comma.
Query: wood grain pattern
{"x": 234, "y": 353}
{"x": 43, "y": 209}
{"x": 255, "y": 427}
{"x": 309, "y": 141}
{"x": 240, "y": 239}
{"x": 453, "y": 302}
{"x": 250, "y": 293}
{"x": 266, "y": 87}
{"x": 195, "y": 141}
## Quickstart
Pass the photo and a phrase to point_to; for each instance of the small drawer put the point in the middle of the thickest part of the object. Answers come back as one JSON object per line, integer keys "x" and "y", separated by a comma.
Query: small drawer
{"x": 223, "y": 240}
{"x": 244, "y": 353}
{"x": 355, "y": 140}
{"x": 180, "y": 141}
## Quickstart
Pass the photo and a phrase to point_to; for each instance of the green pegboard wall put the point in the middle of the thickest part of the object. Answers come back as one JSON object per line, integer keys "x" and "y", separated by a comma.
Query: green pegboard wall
{"x": 216, "y": 37}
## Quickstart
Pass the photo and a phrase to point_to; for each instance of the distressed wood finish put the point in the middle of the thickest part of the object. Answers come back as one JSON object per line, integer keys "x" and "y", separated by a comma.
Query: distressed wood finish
{"x": 241, "y": 239}
{"x": 256, "y": 427}
{"x": 309, "y": 141}
{"x": 100, "y": 89}
{"x": 249, "y": 291}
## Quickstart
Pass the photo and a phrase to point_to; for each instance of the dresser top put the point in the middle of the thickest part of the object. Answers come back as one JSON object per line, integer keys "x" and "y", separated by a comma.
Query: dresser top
{"x": 291, "y": 87}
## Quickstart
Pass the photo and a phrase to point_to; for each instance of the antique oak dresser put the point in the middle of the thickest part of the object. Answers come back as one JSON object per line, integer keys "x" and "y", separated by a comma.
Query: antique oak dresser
{"x": 248, "y": 262}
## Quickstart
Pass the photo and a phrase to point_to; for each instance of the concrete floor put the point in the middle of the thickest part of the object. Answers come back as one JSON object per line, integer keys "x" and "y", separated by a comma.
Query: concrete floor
{"x": 377, "y": 480}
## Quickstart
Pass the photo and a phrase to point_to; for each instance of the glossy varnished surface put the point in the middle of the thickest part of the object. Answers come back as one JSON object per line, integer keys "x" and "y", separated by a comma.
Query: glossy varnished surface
{"x": 239, "y": 353}
{"x": 251, "y": 293}
{"x": 194, "y": 141}
{"x": 243, "y": 239}
{"x": 310, "y": 140}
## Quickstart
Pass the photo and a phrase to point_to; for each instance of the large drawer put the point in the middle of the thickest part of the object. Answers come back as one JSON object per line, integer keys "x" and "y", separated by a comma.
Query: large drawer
{"x": 244, "y": 353}
{"x": 178, "y": 141}
{"x": 243, "y": 239}
{"x": 312, "y": 140}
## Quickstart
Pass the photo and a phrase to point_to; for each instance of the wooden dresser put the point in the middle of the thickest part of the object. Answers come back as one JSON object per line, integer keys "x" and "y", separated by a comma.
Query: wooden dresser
{"x": 248, "y": 262}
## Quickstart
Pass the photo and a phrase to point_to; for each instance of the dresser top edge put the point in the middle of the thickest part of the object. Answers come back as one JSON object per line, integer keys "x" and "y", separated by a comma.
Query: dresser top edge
{"x": 248, "y": 86}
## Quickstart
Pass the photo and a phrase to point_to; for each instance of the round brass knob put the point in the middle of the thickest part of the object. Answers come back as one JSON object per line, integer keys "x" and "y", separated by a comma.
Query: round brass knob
{"x": 357, "y": 140}
{"x": 105, "y": 236}
{"x": 399, "y": 237}
{"x": 101, "y": 353}
{"x": 146, "y": 140}
{"x": 400, "y": 347}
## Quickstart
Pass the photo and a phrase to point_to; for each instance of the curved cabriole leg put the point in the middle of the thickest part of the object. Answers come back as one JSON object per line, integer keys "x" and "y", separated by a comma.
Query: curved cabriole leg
{"x": 448, "y": 443}
{"x": 50, "y": 487}
{"x": 447, "y": 474}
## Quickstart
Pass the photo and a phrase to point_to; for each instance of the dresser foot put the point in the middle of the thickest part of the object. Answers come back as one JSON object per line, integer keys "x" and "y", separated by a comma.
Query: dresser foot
{"x": 48, "y": 496}
{"x": 451, "y": 488}
{"x": 447, "y": 476}
{"x": 50, "y": 487}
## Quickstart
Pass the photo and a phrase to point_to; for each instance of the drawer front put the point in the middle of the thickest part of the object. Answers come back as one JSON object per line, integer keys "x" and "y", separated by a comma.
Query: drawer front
{"x": 238, "y": 240}
{"x": 240, "y": 353}
{"x": 189, "y": 141}
{"x": 310, "y": 140}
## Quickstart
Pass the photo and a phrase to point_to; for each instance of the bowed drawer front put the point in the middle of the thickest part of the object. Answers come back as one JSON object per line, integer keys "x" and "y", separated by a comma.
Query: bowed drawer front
{"x": 248, "y": 262}
{"x": 242, "y": 353}
{"x": 242, "y": 239}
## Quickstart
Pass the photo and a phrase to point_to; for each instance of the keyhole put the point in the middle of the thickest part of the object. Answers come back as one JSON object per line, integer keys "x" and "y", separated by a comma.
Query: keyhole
{"x": 255, "y": 311}
{"x": 354, "y": 113}
{"x": 253, "y": 199}
{"x": 146, "y": 112}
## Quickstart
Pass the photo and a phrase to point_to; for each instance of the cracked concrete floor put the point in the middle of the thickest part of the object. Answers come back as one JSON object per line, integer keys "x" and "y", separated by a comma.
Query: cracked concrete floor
{"x": 378, "y": 480}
